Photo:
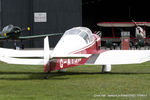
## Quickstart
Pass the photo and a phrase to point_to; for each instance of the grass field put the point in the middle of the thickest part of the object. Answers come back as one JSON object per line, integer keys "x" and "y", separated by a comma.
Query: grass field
{"x": 125, "y": 82}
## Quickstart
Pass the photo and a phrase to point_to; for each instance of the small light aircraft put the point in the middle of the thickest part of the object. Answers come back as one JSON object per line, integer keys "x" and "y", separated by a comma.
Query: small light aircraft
{"x": 11, "y": 32}
{"x": 140, "y": 33}
{"x": 78, "y": 46}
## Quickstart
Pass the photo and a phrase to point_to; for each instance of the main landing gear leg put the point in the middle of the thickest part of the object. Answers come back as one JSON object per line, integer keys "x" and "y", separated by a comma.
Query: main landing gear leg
{"x": 46, "y": 77}
{"x": 106, "y": 68}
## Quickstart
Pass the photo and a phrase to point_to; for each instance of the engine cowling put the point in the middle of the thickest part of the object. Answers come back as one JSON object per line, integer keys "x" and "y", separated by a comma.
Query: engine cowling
{"x": 11, "y": 31}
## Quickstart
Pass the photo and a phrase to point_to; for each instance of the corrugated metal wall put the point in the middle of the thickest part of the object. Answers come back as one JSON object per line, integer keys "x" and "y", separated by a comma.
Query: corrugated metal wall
{"x": 61, "y": 15}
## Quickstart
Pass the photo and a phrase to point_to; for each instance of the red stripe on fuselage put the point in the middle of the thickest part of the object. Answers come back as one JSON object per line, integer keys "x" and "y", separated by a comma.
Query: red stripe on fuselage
{"x": 91, "y": 48}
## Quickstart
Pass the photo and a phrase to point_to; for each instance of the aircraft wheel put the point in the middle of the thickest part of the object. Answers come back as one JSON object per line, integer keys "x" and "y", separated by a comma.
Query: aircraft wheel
{"x": 106, "y": 68}
{"x": 46, "y": 77}
{"x": 62, "y": 70}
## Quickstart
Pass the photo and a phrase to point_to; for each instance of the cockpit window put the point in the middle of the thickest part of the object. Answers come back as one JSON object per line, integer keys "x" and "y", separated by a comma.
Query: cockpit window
{"x": 84, "y": 32}
{"x": 7, "y": 28}
{"x": 72, "y": 32}
{"x": 85, "y": 36}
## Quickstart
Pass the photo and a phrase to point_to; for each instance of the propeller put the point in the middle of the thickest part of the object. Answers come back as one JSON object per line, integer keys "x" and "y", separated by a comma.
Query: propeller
{"x": 46, "y": 50}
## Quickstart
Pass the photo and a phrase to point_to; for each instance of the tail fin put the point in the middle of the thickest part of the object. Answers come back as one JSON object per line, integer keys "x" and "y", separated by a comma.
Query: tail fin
{"x": 46, "y": 50}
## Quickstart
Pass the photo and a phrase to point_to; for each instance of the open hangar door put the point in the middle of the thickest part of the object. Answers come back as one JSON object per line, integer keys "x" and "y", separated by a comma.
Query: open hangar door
{"x": 94, "y": 11}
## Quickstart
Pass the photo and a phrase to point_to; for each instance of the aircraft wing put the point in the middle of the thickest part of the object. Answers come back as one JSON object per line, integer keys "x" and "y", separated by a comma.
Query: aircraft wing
{"x": 112, "y": 57}
{"x": 115, "y": 57}
{"x": 33, "y": 57}
{"x": 28, "y": 61}
{"x": 122, "y": 24}
{"x": 38, "y": 36}
{"x": 23, "y": 57}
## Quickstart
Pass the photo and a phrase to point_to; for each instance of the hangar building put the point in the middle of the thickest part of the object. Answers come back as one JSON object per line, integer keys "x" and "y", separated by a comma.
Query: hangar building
{"x": 55, "y": 16}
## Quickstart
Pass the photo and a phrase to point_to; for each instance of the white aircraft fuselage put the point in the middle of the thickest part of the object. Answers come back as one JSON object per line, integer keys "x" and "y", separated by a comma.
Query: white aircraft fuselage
{"x": 78, "y": 40}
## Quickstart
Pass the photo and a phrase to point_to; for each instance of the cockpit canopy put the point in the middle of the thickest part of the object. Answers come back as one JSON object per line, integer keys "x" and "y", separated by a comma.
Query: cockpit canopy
{"x": 83, "y": 32}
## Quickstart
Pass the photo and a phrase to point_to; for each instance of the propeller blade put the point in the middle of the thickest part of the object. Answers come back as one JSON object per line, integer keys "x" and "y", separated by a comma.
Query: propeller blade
{"x": 46, "y": 50}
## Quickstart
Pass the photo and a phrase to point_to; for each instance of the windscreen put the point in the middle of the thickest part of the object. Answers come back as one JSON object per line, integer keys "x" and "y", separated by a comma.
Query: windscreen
{"x": 7, "y": 28}
{"x": 83, "y": 32}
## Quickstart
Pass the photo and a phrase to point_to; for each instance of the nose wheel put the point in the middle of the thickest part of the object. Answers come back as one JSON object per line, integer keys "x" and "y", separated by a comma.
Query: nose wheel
{"x": 46, "y": 77}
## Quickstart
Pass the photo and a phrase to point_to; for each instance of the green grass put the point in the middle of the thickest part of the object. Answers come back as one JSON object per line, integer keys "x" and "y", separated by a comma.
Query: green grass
{"x": 18, "y": 82}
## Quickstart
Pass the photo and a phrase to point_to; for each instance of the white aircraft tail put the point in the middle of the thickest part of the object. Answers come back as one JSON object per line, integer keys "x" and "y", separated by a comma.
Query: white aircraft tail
{"x": 46, "y": 50}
